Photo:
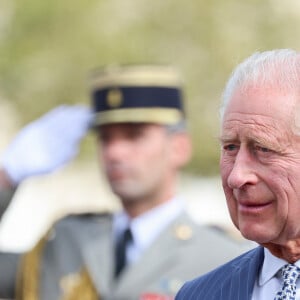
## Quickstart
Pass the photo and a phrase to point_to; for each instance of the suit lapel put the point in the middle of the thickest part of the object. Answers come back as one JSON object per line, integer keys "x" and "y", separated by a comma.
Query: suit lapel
{"x": 168, "y": 239}
{"x": 98, "y": 254}
{"x": 240, "y": 282}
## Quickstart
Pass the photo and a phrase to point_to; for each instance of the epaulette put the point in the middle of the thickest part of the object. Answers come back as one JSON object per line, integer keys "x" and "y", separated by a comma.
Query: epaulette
{"x": 229, "y": 232}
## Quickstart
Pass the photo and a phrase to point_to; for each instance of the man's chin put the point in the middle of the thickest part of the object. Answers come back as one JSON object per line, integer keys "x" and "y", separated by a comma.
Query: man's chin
{"x": 126, "y": 193}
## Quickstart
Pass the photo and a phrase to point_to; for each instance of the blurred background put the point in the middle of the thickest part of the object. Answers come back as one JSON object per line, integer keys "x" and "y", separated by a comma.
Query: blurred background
{"x": 48, "y": 48}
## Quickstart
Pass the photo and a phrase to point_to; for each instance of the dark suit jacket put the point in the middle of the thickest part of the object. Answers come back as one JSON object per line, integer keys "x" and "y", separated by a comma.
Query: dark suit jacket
{"x": 231, "y": 281}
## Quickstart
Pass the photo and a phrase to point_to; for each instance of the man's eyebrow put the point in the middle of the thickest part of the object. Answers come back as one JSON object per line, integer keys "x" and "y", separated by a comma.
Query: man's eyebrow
{"x": 261, "y": 140}
{"x": 265, "y": 142}
{"x": 227, "y": 138}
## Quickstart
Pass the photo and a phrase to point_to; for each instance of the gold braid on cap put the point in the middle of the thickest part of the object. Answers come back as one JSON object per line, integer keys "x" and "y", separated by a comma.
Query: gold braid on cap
{"x": 27, "y": 286}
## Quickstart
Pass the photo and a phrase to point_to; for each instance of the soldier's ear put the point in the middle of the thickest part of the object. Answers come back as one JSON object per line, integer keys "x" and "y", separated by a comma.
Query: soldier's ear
{"x": 182, "y": 149}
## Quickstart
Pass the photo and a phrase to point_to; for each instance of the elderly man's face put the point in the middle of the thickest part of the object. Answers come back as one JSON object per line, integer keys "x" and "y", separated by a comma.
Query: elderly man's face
{"x": 260, "y": 164}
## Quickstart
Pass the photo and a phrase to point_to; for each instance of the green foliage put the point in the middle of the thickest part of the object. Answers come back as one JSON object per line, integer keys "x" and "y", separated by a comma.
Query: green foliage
{"x": 47, "y": 49}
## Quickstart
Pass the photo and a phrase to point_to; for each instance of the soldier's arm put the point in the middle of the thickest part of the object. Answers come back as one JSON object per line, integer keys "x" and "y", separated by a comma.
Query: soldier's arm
{"x": 7, "y": 190}
{"x": 46, "y": 144}
{"x": 8, "y": 261}
{"x": 39, "y": 148}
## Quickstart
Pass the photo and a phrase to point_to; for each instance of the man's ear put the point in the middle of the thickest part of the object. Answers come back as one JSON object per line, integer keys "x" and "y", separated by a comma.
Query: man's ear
{"x": 182, "y": 149}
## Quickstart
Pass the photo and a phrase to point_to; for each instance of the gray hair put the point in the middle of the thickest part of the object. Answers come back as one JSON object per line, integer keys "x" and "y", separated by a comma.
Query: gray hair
{"x": 278, "y": 68}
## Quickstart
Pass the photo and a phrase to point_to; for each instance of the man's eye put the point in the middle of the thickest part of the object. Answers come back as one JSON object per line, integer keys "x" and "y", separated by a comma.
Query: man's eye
{"x": 103, "y": 137}
{"x": 230, "y": 147}
{"x": 263, "y": 149}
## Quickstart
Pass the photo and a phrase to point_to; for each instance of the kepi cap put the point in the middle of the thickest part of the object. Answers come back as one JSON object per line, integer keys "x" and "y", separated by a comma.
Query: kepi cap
{"x": 137, "y": 93}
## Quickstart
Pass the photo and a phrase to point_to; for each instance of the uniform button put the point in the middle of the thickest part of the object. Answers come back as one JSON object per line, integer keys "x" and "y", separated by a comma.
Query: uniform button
{"x": 183, "y": 232}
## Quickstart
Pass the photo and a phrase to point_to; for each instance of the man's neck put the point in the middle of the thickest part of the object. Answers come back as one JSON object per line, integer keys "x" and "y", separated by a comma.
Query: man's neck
{"x": 137, "y": 207}
{"x": 289, "y": 252}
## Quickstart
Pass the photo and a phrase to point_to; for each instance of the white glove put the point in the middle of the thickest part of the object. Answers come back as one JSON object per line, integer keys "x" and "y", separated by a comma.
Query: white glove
{"x": 47, "y": 143}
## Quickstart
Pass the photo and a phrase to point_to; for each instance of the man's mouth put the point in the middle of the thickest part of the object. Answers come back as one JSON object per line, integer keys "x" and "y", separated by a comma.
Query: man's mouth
{"x": 252, "y": 207}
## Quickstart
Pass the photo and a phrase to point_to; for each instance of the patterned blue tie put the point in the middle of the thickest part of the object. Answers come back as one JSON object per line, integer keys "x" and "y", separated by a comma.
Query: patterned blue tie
{"x": 290, "y": 274}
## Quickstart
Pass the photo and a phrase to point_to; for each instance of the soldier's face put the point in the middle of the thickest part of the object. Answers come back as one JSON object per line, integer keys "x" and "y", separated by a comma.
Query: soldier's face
{"x": 137, "y": 160}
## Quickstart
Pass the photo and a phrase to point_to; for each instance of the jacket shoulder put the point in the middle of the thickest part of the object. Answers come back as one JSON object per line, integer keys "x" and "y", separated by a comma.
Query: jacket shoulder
{"x": 82, "y": 219}
{"x": 221, "y": 241}
{"x": 76, "y": 228}
{"x": 220, "y": 279}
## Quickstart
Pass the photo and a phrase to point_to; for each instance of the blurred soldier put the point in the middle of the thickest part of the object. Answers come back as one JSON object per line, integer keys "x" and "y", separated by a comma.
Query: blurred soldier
{"x": 149, "y": 248}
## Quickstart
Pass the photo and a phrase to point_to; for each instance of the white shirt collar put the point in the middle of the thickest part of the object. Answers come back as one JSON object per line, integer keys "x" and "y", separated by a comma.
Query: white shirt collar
{"x": 146, "y": 227}
{"x": 271, "y": 266}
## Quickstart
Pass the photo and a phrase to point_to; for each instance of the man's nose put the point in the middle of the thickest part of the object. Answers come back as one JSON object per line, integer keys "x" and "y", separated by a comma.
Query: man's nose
{"x": 116, "y": 149}
{"x": 243, "y": 170}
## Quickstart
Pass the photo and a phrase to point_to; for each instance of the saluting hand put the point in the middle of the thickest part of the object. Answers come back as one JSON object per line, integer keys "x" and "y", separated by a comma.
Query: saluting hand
{"x": 47, "y": 143}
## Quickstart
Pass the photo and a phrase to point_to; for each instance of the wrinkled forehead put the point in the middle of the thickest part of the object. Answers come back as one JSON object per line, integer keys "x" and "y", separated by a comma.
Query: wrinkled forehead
{"x": 271, "y": 112}
{"x": 259, "y": 130}
{"x": 263, "y": 100}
